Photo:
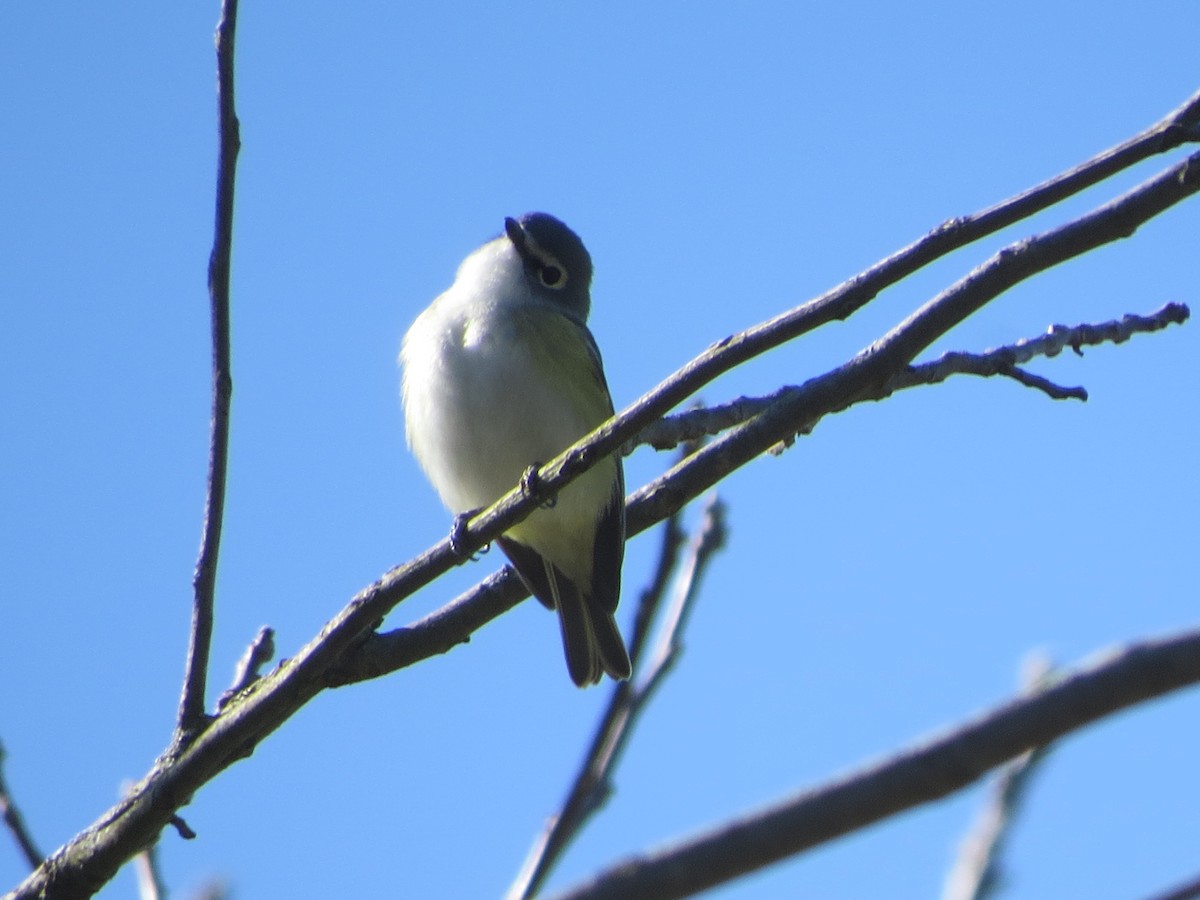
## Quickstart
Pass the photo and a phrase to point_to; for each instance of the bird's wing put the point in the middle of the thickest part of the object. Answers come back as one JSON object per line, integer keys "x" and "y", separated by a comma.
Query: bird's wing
{"x": 571, "y": 349}
{"x": 531, "y": 566}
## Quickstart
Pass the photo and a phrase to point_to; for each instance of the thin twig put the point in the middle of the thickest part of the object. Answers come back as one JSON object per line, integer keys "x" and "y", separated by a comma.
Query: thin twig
{"x": 925, "y": 771}
{"x": 204, "y": 581}
{"x": 977, "y": 870}
{"x": 15, "y": 822}
{"x": 651, "y": 598}
{"x": 584, "y": 793}
{"x": 1117, "y": 219}
{"x": 593, "y": 783}
{"x": 1004, "y": 361}
{"x": 149, "y": 878}
{"x": 710, "y": 537}
{"x": 181, "y": 827}
{"x": 260, "y": 652}
{"x": 976, "y": 875}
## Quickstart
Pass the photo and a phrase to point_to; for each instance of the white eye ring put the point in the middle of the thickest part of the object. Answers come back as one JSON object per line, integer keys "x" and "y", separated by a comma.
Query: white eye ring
{"x": 552, "y": 276}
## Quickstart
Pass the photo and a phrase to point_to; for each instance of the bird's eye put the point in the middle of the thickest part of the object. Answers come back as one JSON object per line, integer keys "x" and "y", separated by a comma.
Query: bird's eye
{"x": 552, "y": 276}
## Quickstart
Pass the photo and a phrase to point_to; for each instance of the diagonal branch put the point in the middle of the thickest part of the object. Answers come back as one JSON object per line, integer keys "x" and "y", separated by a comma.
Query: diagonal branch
{"x": 795, "y": 411}
{"x": 149, "y": 875}
{"x": 204, "y": 582}
{"x": 710, "y": 421}
{"x": 15, "y": 822}
{"x": 651, "y": 601}
{"x": 1176, "y": 129}
{"x": 861, "y": 378}
{"x": 593, "y": 783}
{"x": 926, "y": 771}
{"x": 441, "y": 631}
{"x": 709, "y": 539}
{"x": 1188, "y": 891}
{"x": 977, "y": 874}
{"x": 866, "y": 375}
{"x": 1004, "y": 360}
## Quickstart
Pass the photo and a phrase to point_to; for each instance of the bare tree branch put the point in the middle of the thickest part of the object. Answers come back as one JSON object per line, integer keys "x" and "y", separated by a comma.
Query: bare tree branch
{"x": 149, "y": 877}
{"x": 710, "y": 421}
{"x": 866, "y": 376}
{"x": 441, "y": 631}
{"x": 1189, "y": 891}
{"x": 708, "y": 540}
{"x": 929, "y": 769}
{"x": 1004, "y": 360}
{"x": 181, "y": 827}
{"x": 651, "y": 600}
{"x": 260, "y": 652}
{"x": 15, "y": 822}
{"x": 345, "y": 650}
{"x": 1179, "y": 127}
{"x": 593, "y": 783}
{"x": 796, "y": 411}
{"x": 151, "y": 885}
{"x": 793, "y": 411}
{"x": 976, "y": 874}
{"x": 204, "y": 582}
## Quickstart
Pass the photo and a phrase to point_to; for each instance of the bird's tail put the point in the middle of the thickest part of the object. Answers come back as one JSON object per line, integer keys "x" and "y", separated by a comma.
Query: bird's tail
{"x": 610, "y": 646}
{"x": 591, "y": 640}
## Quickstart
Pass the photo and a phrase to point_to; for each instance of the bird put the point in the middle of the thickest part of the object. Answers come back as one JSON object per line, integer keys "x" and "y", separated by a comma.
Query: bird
{"x": 500, "y": 374}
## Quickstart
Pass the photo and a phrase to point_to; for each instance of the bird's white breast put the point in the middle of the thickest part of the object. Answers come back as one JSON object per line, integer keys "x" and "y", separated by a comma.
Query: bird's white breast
{"x": 479, "y": 411}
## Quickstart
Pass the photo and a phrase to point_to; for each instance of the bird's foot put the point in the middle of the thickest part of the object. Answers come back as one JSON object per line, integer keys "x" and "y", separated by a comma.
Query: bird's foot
{"x": 531, "y": 480}
{"x": 458, "y": 534}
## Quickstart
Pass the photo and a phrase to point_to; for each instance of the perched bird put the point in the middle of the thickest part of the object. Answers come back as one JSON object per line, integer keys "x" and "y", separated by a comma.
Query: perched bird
{"x": 500, "y": 374}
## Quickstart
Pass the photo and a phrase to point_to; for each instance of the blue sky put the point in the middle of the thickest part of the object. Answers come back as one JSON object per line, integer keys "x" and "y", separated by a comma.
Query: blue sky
{"x": 723, "y": 162}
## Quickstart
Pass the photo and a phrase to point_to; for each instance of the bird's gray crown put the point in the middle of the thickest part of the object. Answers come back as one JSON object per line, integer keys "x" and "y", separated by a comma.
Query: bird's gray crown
{"x": 555, "y": 258}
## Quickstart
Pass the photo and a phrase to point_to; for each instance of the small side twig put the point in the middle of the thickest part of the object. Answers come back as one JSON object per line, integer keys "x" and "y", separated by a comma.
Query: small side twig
{"x": 260, "y": 652}
{"x": 15, "y": 822}
{"x": 1003, "y": 361}
{"x": 593, "y": 783}
{"x": 977, "y": 874}
{"x": 191, "y": 705}
{"x": 181, "y": 827}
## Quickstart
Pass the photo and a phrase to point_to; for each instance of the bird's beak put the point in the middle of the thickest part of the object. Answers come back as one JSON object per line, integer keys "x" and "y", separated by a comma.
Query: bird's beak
{"x": 516, "y": 234}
